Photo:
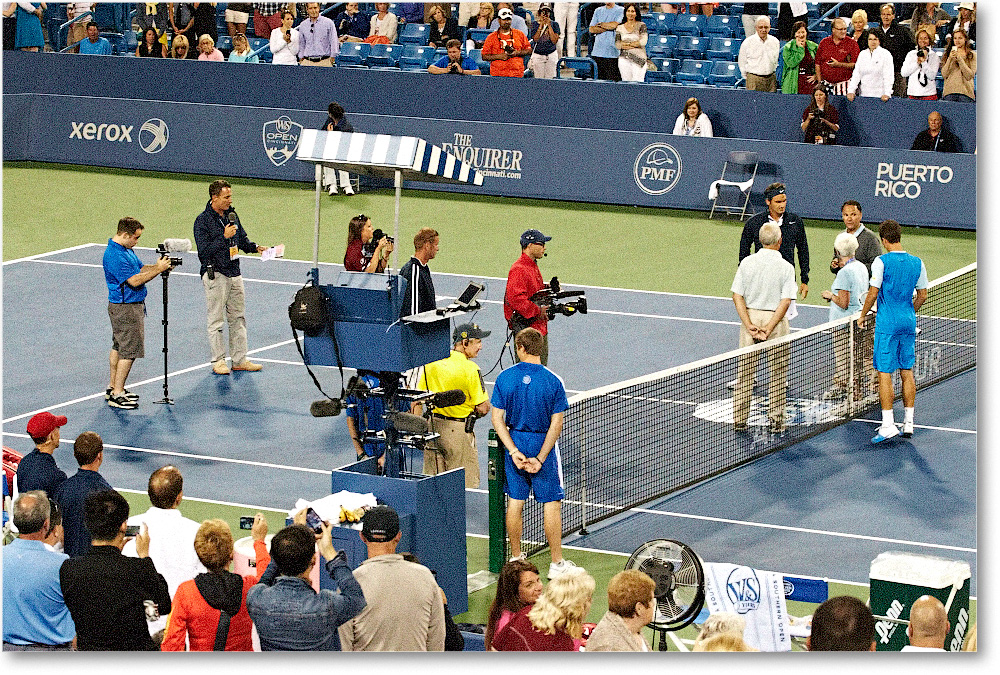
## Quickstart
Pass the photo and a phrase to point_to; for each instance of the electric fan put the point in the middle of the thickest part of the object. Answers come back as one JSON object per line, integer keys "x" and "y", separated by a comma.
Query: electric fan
{"x": 680, "y": 582}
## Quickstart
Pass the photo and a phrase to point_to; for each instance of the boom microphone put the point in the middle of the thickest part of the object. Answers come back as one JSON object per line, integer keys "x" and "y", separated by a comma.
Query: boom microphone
{"x": 408, "y": 423}
{"x": 446, "y": 399}
{"x": 330, "y": 407}
{"x": 177, "y": 245}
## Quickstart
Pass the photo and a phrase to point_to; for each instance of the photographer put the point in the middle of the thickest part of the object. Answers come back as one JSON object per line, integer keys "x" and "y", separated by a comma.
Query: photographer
{"x": 126, "y": 278}
{"x": 505, "y": 47}
{"x": 545, "y": 38}
{"x": 523, "y": 281}
{"x": 454, "y": 63}
{"x": 920, "y": 69}
{"x": 365, "y": 253}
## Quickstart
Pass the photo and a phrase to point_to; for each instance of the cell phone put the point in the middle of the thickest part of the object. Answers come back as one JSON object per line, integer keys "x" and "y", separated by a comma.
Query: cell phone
{"x": 132, "y": 530}
{"x": 246, "y": 522}
{"x": 313, "y": 521}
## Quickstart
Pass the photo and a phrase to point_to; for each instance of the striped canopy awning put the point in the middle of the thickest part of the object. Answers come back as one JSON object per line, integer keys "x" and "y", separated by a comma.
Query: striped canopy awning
{"x": 384, "y": 155}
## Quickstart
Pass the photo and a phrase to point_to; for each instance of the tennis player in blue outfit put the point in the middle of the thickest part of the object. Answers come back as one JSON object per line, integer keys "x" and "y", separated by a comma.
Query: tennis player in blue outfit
{"x": 528, "y": 405}
{"x": 899, "y": 283}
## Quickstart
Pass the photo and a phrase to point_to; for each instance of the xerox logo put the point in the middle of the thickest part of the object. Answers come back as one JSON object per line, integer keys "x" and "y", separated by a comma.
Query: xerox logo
{"x": 153, "y": 133}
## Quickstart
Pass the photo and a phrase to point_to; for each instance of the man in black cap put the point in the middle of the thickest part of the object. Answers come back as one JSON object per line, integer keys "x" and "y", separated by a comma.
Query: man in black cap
{"x": 405, "y": 611}
{"x": 457, "y": 444}
{"x": 38, "y": 470}
{"x": 523, "y": 281}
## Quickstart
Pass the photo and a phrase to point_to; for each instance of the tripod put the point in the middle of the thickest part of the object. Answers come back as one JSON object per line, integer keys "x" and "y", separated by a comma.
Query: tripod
{"x": 166, "y": 393}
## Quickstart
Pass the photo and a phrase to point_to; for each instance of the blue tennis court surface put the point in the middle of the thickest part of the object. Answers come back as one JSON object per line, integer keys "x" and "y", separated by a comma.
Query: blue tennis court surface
{"x": 248, "y": 438}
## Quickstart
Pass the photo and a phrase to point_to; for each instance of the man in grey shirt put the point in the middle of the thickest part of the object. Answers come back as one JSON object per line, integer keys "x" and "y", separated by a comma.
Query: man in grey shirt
{"x": 763, "y": 290}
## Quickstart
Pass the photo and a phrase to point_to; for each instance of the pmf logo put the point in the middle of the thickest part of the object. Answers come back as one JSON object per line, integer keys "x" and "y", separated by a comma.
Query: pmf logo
{"x": 153, "y": 135}
{"x": 657, "y": 169}
{"x": 281, "y": 137}
{"x": 743, "y": 589}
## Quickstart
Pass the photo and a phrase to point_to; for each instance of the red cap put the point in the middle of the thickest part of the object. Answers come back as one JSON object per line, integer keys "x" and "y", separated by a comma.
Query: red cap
{"x": 42, "y": 424}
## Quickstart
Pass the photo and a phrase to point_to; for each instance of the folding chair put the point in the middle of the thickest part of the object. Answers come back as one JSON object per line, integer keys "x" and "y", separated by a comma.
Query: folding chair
{"x": 739, "y": 171}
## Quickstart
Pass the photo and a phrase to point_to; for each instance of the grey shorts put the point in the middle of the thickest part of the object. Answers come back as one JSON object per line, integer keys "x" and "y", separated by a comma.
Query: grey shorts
{"x": 128, "y": 329}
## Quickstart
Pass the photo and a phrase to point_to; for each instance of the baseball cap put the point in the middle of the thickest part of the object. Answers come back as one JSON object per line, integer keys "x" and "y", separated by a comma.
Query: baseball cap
{"x": 533, "y": 237}
{"x": 967, "y": 5}
{"x": 468, "y": 331}
{"x": 380, "y": 523}
{"x": 42, "y": 424}
{"x": 505, "y": 13}
{"x": 545, "y": 5}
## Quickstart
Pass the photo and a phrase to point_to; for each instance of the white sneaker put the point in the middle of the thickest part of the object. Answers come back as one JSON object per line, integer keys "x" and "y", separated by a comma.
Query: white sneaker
{"x": 885, "y": 433}
{"x": 555, "y": 569}
{"x": 907, "y": 429}
{"x": 522, "y": 556}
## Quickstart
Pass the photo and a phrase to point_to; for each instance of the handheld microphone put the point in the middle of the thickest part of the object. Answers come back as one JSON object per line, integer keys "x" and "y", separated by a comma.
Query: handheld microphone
{"x": 232, "y": 217}
{"x": 330, "y": 407}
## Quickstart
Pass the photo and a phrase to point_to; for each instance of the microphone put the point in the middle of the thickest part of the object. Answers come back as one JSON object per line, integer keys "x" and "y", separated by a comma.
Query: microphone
{"x": 177, "y": 245}
{"x": 408, "y": 423}
{"x": 232, "y": 217}
{"x": 330, "y": 407}
{"x": 446, "y": 399}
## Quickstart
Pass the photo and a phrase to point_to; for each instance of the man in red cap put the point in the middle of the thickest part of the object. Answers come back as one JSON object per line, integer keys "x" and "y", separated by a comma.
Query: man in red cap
{"x": 38, "y": 470}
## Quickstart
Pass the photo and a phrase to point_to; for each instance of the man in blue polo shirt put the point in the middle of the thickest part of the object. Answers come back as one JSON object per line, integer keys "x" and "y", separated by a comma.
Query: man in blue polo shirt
{"x": 71, "y": 495}
{"x": 896, "y": 275}
{"x": 126, "y": 278}
{"x": 94, "y": 43}
{"x": 454, "y": 63}
{"x": 528, "y": 404}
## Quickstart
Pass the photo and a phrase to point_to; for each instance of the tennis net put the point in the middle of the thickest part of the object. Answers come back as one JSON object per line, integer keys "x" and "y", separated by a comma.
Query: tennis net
{"x": 635, "y": 441}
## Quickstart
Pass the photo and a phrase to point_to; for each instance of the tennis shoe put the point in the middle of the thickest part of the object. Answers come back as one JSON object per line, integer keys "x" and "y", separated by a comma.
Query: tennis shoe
{"x": 248, "y": 365}
{"x": 521, "y": 556}
{"x": 125, "y": 392}
{"x": 561, "y": 567}
{"x": 122, "y": 402}
{"x": 907, "y": 429}
{"x": 885, "y": 433}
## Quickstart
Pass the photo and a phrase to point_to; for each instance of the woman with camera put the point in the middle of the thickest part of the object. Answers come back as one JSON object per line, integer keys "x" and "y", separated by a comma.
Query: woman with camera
{"x": 920, "y": 68}
{"x": 820, "y": 122}
{"x": 364, "y": 255}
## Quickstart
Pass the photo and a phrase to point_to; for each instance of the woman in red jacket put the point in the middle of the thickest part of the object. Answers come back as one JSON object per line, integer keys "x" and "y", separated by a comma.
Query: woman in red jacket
{"x": 199, "y": 603}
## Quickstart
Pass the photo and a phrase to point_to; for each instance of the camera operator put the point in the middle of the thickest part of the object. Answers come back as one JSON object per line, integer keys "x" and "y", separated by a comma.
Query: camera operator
{"x": 523, "y": 281}
{"x": 454, "y": 63}
{"x": 365, "y": 252}
{"x": 126, "y": 278}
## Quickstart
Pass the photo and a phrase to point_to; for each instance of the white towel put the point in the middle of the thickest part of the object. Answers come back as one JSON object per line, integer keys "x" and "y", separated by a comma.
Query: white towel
{"x": 713, "y": 189}
{"x": 757, "y": 596}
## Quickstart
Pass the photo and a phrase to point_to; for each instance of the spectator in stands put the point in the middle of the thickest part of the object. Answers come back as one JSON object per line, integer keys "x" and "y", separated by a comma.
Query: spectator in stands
{"x": 545, "y": 43}
{"x": 353, "y": 24}
{"x": 517, "y": 22}
{"x": 930, "y": 17}
{"x": 318, "y": 39}
{"x": 360, "y": 255}
{"x": 719, "y": 623}
{"x": 151, "y": 44}
{"x": 237, "y": 17}
{"x": 763, "y": 290}
{"x": 898, "y": 41}
{"x": 603, "y": 25}
{"x": 758, "y": 58}
{"x": 405, "y": 611}
{"x": 935, "y": 137}
{"x": 180, "y": 49}
{"x": 751, "y": 12}
{"x": 920, "y": 69}
{"x": 384, "y": 25}
{"x": 88, "y": 449}
{"x": 172, "y": 535}
{"x": 454, "y": 63}
{"x": 631, "y": 605}
{"x": 799, "y": 59}
{"x": 56, "y": 535}
{"x": 94, "y": 43}
{"x": 724, "y": 642}
{"x": 789, "y": 14}
{"x": 505, "y": 48}
{"x": 35, "y": 617}
{"x": 693, "y": 122}
{"x": 959, "y": 69}
{"x": 630, "y": 40}
{"x": 859, "y": 28}
{"x": 443, "y": 28}
{"x": 483, "y": 19}
{"x": 411, "y": 12}
{"x": 966, "y": 20}
{"x": 207, "y": 50}
{"x": 518, "y": 587}
{"x": 209, "y": 612}
{"x": 267, "y": 17}
{"x": 336, "y": 120}
{"x": 204, "y": 19}
{"x": 105, "y": 591}
{"x": 241, "y": 50}
{"x": 29, "y": 37}
{"x": 928, "y": 625}
{"x": 288, "y": 614}
{"x": 872, "y": 76}
{"x": 181, "y": 15}
{"x": 566, "y": 15}
{"x": 10, "y": 26}
{"x": 78, "y": 29}
{"x": 820, "y": 121}
{"x": 38, "y": 470}
{"x": 284, "y": 41}
{"x": 842, "y": 624}
{"x": 554, "y": 621}
{"x": 453, "y": 640}
{"x": 869, "y": 246}
{"x": 836, "y": 57}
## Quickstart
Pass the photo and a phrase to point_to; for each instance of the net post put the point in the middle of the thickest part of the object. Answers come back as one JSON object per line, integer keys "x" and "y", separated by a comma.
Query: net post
{"x": 852, "y": 358}
{"x": 583, "y": 480}
{"x": 497, "y": 505}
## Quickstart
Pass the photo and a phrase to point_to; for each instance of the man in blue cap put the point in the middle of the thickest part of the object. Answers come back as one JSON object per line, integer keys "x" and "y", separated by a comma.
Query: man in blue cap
{"x": 523, "y": 281}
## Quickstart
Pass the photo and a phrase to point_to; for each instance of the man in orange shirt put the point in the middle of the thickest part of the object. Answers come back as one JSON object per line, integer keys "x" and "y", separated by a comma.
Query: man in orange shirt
{"x": 506, "y": 47}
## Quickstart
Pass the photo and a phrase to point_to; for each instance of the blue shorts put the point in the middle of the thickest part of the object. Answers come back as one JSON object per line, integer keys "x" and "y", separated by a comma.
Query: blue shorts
{"x": 546, "y": 484}
{"x": 894, "y": 352}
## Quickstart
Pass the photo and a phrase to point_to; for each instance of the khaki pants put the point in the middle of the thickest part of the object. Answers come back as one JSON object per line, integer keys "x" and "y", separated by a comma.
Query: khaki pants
{"x": 225, "y": 300}
{"x": 759, "y": 83}
{"x": 777, "y": 363}
{"x": 453, "y": 449}
{"x": 328, "y": 62}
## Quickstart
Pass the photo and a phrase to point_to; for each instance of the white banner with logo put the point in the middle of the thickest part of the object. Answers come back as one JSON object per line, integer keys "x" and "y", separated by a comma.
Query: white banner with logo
{"x": 757, "y": 596}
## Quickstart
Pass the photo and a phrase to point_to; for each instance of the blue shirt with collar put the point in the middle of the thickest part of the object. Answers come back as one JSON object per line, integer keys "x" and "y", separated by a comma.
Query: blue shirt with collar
{"x": 33, "y": 607}
{"x": 70, "y": 497}
{"x": 38, "y": 471}
{"x": 318, "y": 39}
{"x": 604, "y": 43}
{"x": 120, "y": 264}
{"x": 529, "y": 394}
{"x": 102, "y": 47}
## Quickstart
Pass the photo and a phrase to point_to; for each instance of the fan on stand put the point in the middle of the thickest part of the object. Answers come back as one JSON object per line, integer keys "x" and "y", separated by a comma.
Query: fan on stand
{"x": 680, "y": 583}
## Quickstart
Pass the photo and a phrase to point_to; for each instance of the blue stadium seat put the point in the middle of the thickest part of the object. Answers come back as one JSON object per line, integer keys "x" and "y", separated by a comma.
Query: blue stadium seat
{"x": 477, "y": 56}
{"x": 383, "y": 56}
{"x": 664, "y": 74}
{"x": 131, "y": 41}
{"x": 723, "y": 26}
{"x": 812, "y": 11}
{"x": 690, "y": 47}
{"x": 652, "y": 25}
{"x": 264, "y": 45}
{"x": 477, "y": 35}
{"x": 724, "y": 74}
{"x": 736, "y": 9}
{"x": 224, "y": 44}
{"x": 661, "y": 45}
{"x": 415, "y": 34}
{"x": 416, "y": 57}
{"x": 693, "y": 71}
{"x": 117, "y": 41}
{"x": 664, "y": 22}
{"x": 689, "y": 24}
{"x": 723, "y": 49}
{"x": 584, "y": 67}
{"x": 353, "y": 54}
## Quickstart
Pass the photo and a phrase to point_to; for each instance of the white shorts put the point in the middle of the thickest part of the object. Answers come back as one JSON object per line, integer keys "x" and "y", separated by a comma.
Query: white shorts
{"x": 236, "y": 17}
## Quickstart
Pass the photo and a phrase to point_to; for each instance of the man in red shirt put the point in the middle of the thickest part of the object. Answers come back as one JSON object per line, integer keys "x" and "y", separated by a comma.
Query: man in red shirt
{"x": 835, "y": 59}
{"x": 505, "y": 47}
{"x": 523, "y": 281}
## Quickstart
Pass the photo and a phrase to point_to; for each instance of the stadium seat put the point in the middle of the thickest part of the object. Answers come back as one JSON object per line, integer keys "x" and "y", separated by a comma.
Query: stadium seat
{"x": 692, "y": 71}
{"x": 736, "y": 9}
{"x": 416, "y": 57}
{"x": 723, "y": 49}
{"x": 652, "y": 25}
{"x": 224, "y": 44}
{"x": 723, "y": 26}
{"x": 584, "y": 67}
{"x": 414, "y": 34}
{"x": 117, "y": 41}
{"x": 131, "y": 41}
{"x": 353, "y": 54}
{"x": 689, "y": 24}
{"x": 724, "y": 74}
{"x": 664, "y": 73}
{"x": 478, "y": 35}
{"x": 477, "y": 56}
{"x": 664, "y": 22}
{"x": 812, "y": 11}
{"x": 661, "y": 45}
{"x": 382, "y": 56}
{"x": 689, "y": 47}
{"x": 262, "y": 48}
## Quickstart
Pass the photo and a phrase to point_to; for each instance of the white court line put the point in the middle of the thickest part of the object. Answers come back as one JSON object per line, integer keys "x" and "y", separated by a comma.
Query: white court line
{"x": 42, "y": 255}
{"x": 923, "y": 426}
